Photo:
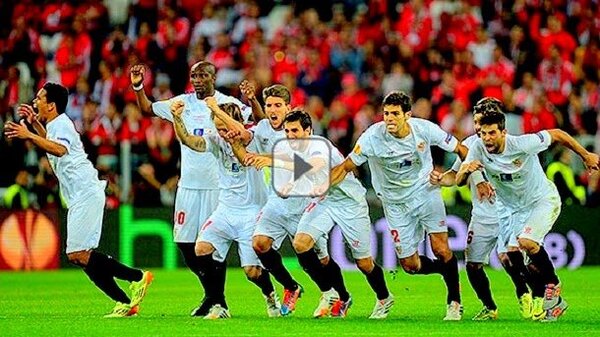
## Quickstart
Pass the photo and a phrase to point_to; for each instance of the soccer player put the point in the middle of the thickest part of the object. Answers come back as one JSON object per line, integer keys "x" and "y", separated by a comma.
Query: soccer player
{"x": 399, "y": 156}
{"x": 243, "y": 192}
{"x": 280, "y": 216}
{"x": 531, "y": 200}
{"x": 484, "y": 233}
{"x": 344, "y": 205}
{"x": 197, "y": 193}
{"x": 83, "y": 193}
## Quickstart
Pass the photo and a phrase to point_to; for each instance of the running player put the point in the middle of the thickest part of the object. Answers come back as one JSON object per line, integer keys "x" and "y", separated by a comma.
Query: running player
{"x": 280, "y": 216}
{"x": 399, "y": 156}
{"x": 345, "y": 205}
{"x": 531, "y": 200}
{"x": 242, "y": 194}
{"x": 83, "y": 193}
{"x": 197, "y": 193}
{"x": 484, "y": 234}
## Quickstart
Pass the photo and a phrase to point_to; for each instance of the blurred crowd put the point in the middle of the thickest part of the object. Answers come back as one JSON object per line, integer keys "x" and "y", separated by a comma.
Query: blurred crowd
{"x": 338, "y": 58}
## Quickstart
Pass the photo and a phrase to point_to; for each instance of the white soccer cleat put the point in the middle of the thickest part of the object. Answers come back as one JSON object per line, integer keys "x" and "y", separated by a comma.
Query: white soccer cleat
{"x": 273, "y": 305}
{"x": 454, "y": 312}
{"x": 217, "y": 312}
{"x": 382, "y": 308}
{"x": 326, "y": 302}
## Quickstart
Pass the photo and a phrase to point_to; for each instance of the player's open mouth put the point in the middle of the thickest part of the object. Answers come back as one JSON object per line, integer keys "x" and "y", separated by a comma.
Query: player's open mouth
{"x": 273, "y": 118}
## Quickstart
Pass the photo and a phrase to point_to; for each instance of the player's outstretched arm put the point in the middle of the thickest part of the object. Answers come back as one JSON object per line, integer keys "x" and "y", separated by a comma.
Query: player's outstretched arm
{"x": 26, "y": 111}
{"x": 339, "y": 172}
{"x": 137, "y": 83}
{"x": 249, "y": 91}
{"x": 591, "y": 160}
{"x": 14, "y": 130}
{"x": 196, "y": 143}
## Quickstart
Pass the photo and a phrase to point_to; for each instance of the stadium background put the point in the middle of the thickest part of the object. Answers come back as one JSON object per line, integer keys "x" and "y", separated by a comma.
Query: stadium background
{"x": 339, "y": 58}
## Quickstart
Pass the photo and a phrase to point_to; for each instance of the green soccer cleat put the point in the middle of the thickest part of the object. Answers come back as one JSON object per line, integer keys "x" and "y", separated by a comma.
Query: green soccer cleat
{"x": 139, "y": 288}
{"x": 486, "y": 315}
{"x": 537, "y": 309}
{"x": 526, "y": 305}
{"x": 123, "y": 310}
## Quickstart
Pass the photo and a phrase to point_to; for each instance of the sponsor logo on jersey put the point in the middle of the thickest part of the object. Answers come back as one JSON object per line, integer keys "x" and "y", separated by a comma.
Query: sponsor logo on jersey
{"x": 235, "y": 167}
{"x": 198, "y": 132}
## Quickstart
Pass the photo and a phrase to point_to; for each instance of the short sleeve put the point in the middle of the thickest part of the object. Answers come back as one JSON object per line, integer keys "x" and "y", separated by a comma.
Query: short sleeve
{"x": 533, "y": 143}
{"x": 456, "y": 164}
{"x": 62, "y": 134}
{"x": 162, "y": 109}
{"x": 362, "y": 150}
{"x": 440, "y": 138}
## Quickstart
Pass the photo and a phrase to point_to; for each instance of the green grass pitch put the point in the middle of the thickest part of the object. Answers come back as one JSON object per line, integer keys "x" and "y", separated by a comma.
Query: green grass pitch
{"x": 65, "y": 303}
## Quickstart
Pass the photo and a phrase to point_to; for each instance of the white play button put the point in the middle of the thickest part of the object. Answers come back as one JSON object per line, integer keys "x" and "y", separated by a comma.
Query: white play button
{"x": 301, "y": 167}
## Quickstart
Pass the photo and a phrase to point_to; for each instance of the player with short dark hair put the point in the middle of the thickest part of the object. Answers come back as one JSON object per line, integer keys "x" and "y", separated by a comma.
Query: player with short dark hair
{"x": 484, "y": 234}
{"x": 344, "y": 205}
{"x": 399, "y": 156}
{"x": 531, "y": 200}
{"x": 83, "y": 193}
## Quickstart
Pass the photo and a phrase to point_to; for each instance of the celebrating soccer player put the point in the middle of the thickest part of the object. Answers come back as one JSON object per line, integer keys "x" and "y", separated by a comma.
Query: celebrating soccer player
{"x": 399, "y": 156}
{"x": 198, "y": 191}
{"x": 243, "y": 192}
{"x": 531, "y": 200}
{"x": 83, "y": 193}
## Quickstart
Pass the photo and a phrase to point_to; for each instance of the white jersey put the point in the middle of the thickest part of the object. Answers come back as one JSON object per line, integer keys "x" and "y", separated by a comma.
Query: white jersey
{"x": 400, "y": 167}
{"x": 264, "y": 140}
{"x": 516, "y": 172}
{"x": 197, "y": 169}
{"x": 320, "y": 147}
{"x": 241, "y": 187}
{"x": 76, "y": 174}
{"x": 483, "y": 212}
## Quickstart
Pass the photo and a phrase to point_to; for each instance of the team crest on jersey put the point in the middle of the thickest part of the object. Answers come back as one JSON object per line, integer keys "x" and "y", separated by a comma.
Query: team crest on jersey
{"x": 517, "y": 162}
{"x": 198, "y": 132}
{"x": 357, "y": 149}
{"x": 421, "y": 147}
